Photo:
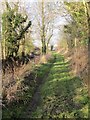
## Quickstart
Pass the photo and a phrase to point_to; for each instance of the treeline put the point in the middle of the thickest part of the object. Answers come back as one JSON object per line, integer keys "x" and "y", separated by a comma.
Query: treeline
{"x": 16, "y": 46}
{"x": 17, "y": 42}
{"x": 78, "y": 38}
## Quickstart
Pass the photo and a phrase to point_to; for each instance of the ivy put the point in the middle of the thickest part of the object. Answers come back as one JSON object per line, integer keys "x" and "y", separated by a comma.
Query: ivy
{"x": 13, "y": 29}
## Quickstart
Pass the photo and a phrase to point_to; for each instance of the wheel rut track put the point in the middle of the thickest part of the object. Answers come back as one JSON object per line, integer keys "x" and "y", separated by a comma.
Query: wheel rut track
{"x": 36, "y": 97}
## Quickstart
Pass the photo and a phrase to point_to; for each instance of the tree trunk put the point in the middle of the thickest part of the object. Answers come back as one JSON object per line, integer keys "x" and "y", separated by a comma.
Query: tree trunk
{"x": 44, "y": 48}
{"x": 89, "y": 53}
{"x": 43, "y": 30}
{"x": 87, "y": 10}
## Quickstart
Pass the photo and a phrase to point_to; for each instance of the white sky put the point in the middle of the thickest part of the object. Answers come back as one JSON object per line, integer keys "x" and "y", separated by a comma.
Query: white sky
{"x": 45, "y": 0}
{"x": 58, "y": 21}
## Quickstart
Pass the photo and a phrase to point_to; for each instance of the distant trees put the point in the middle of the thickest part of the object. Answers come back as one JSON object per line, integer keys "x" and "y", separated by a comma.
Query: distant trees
{"x": 76, "y": 29}
{"x": 46, "y": 27}
{"x": 45, "y": 15}
{"x": 79, "y": 38}
{"x": 45, "y": 24}
{"x": 80, "y": 13}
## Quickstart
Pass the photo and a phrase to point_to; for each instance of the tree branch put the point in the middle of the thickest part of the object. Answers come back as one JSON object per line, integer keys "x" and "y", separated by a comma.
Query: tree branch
{"x": 23, "y": 31}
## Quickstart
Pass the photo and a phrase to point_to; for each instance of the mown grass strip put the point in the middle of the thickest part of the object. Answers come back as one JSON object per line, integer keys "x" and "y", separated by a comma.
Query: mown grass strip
{"x": 62, "y": 95}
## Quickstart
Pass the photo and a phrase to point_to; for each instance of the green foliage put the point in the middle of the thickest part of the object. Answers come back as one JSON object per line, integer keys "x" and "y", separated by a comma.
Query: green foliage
{"x": 13, "y": 29}
{"x": 78, "y": 28}
{"x": 29, "y": 46}
{"x": 85, "y": 42}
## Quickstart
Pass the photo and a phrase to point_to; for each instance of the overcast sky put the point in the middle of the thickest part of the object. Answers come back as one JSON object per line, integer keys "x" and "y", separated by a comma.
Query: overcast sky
{"x": 58, "y": 22}
{"x": 45, "y": 0}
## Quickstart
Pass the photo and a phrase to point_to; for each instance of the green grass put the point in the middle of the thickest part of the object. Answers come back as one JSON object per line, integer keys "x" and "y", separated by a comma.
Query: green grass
{"x": 62, "y": 95}
{"x": 28, "y": 84}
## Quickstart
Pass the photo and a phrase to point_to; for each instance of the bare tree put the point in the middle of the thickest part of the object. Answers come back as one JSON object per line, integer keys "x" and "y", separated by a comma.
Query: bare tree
{"x": 44, "y": 20}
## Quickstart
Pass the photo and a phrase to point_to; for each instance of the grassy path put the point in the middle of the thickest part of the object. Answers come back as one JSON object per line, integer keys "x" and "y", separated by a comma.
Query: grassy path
{"x": 60, "y": 95}
{"x": 50, "y": 92}
{"x": 27, "y": 92}
{"x": 44, "y": 72}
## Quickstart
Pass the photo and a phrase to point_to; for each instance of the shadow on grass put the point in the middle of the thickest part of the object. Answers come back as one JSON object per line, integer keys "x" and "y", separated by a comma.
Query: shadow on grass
{"x": 28, "y": 86}
{"x": 63, "y": 96}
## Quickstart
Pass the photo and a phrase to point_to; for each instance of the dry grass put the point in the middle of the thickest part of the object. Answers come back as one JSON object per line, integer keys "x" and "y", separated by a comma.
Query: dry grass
{"x": 11, "y": 81}
{"x": 79, "y": 61}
